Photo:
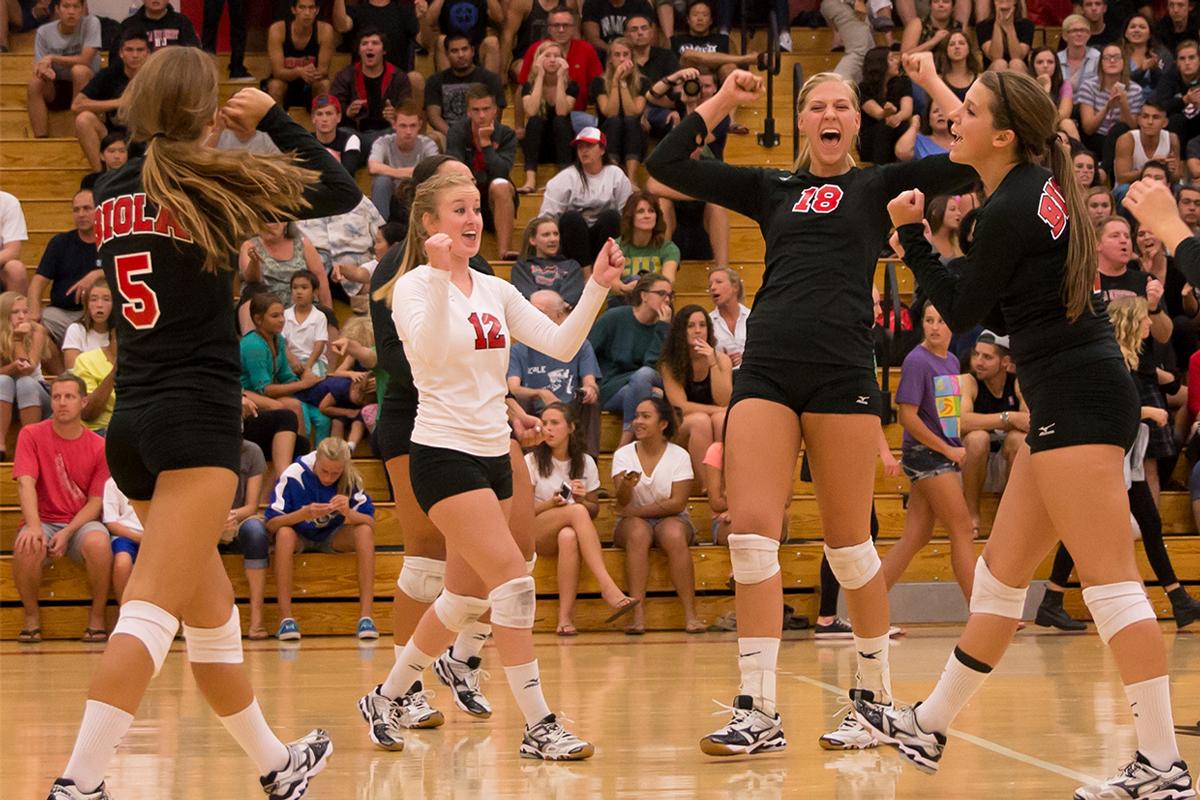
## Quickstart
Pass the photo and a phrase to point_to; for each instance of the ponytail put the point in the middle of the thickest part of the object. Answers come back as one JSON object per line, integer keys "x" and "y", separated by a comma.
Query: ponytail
{"x": 1080, "y": 274}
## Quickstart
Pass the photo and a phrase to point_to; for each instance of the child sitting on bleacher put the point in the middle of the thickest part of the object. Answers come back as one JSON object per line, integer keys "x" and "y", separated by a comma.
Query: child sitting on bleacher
{"x": 305, "y": 328}
{"x": 126, "y": 529}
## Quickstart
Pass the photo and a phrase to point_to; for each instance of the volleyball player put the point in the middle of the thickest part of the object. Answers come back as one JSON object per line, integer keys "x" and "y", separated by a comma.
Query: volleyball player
{"x": 807, "y": 372}
{"x": 164, "y": 224}
{"x": 457, "y": 327}
{"x": 1030, "y": 258}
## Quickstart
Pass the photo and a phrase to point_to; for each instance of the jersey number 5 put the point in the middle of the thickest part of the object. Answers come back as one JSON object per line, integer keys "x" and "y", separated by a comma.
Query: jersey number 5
{"x": 492, "y": 338}
{"x": 140, "y": 308}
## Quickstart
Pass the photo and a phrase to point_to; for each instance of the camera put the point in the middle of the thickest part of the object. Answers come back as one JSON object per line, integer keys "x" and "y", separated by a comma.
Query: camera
{"x": 691, "y": 88}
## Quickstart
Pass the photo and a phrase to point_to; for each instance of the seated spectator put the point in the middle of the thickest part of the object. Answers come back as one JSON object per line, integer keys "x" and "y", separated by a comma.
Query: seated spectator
{"x": 995, "y": 420}
{"x": 246, "y": 533}
{"x": 60, "y": 472}
{"x": 162, "y": 25}
{"x": 468, "y": 18}
{"x": 707, "y": 49}
{"x": 1108, "y": 104}
{"x": 319, "y": 506}
{"x": 944, "y": 216}
{"x": 396, "y": 20}
{"x": 697, "y": 382}
{"x": 1149, "y": 142}
{"x": 274, "y": 432}
{"x": 353, "y": 279}
{"x": 268, "y": 261}
{"x": 929, "y": 400}
{"x": 627, "y": 341}
{"x": 1100, "y": 32}
{"x": 620, "y": 95}
{"x": 22, "y": 344}
{"x": 1147, "y": 57}
{"x": 394, "y": 155}
{"x": 126, "y": 529}
{"x": 925, "y": 34}
{"x": 658, "y": 65}
{"x": 1006, "y": 37}
{"x": 1100, "y": 204}
{"x": 958, "y": 63}
{"x": 1087, "y": 169}
{"x": 356, "y": 349}
{"x": 588, "y": 199}
{"x": 1177, "y": 26}
{"x": 342, "y": 144}
{"x": 1156, "y": 171}
{"x": 266, "y": 377}
{"x": 305, "y": 327}
{"x": 652, "y": 479}
{"x": 542, "y": 267}
{"x": 98, "y": 370}
{"x": 566, "y": 491}
{"x": 730, "y": 313}
{"x": 583, "y": 65}
{"x": 370, "y": 90}
{"x": 604, "y": 21}
{"x": 92, "y": 330}
{"x": 13, "y": 273}
{"x": 68, "y": 268}
{"x": 345, "y": 240}
{"x": 644, "y": 244}
{"x": 547, "y": 99}
{"x": 21, "y": 16}
{"x": 1077, "y": 58}
{"x": 446, "y": 91}
{"x": 349, "y": 393}
{"x": 1188, "y": 199}
{"x": 887, "y": 105}
{"x": 1048, "y": 71}
{"x": 114, "y": 153}
{"x": 95, "y": 107}
{"x": 66, "y": 55}
{"x": 301, "y": 50}
{"x": 229, "y": 138}
{"x": 1178, "y": 300}
{"x": 489, "y": 148}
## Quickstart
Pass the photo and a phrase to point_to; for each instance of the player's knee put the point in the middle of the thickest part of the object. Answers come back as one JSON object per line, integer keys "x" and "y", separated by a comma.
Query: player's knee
{"x": 151, "y": 625}
{"x": 457, "y": 611}
{"x": 754, "y": 558}
{"x": 219, "y": 645}
{"x": 854, "y": 566}
{"x": 989, "y": 595}
{"x": 1116, "y": 606}
{"x": 513, "y": 603}
{"x": 422, "y": 578}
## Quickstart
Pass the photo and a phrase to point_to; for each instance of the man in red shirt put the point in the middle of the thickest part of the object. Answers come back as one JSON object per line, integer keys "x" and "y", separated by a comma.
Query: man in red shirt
{"x": 582, "y": 62}
{"x": 60, "y": 472}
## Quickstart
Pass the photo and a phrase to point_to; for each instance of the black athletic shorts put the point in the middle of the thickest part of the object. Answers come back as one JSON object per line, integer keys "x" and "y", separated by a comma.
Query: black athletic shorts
{"x": 393, "y": 434}
{"x": 1092, "y": 404}
{"x": 812, "y": 388}
{"x": 438, "y": 472}
{"x": 159, "y": 437}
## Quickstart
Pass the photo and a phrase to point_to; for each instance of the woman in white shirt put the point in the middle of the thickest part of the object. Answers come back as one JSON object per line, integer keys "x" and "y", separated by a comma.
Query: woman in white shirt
{"x": 457, "y": 326}
{"x": 653, "y": 478}
{"x": 91, "y": 331}
{"x": 566, "y": 492}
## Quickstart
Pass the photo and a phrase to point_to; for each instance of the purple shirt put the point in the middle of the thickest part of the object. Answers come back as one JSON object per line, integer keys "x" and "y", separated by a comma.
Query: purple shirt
{"x": 930, "y": 383}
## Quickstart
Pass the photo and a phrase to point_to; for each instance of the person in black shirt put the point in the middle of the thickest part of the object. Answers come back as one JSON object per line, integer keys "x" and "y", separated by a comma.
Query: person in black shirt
{"x": 1177, "y": 26}
{"x": 396, "y": 19}
{"x": 446, "y": 91}
{"x": 809, "y": 358}
{"x": 1178, "y": 93}
{"x": 1032, "y": 259}
{"x": 237, "y": 35}
{"x": 468, "y": 17}
{"x": 163, "y": 26}
{"x": 1006, "y": 37}
{"x": 95, "y": 107}
{"x": 174, "y": 442}
{"x": 372, "y": 89}
{"x": 68, "y": 267}
{"x": 620, "y": 95}
{"x": 604, "y": 20}
{"x": 342, "y": 144}
{"x": 887, "y": 105}
{"x": 301, "y": 49}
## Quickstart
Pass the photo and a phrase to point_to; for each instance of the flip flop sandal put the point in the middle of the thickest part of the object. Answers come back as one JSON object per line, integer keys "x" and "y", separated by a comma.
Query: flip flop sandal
{"x": 94, "y": 635}
{"x": 738, "y": 129}
{"x": 638, "y": 630}
{"x": 258, "y": 634}
{"x": 567, "y": 630}
{"x": 698, "y": 627}
{"x": 623, "y": 609}
{"x": 30, "y": 636}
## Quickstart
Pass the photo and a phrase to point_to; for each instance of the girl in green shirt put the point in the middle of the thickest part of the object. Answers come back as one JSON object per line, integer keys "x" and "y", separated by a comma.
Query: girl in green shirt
{"x": 267, "y": 380}
{"x": 644, "y": 243}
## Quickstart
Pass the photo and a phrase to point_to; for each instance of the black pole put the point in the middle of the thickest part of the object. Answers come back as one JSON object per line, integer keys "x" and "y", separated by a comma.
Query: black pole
{"x": 769, "y": 137}
{"x": 891, "y": 300}
{"x": 797, "y": 83}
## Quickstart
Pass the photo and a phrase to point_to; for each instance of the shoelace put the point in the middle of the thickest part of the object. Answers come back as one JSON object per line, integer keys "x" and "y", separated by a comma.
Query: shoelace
{"x": 555, "y": 732}
{"x": 419, "y": 700}
{"x": 472, "y": 678}
{"x": 741, "y": 716}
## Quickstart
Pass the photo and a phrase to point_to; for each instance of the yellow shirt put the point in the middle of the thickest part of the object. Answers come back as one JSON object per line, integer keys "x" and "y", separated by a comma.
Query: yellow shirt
{"x": 93, "y": 366}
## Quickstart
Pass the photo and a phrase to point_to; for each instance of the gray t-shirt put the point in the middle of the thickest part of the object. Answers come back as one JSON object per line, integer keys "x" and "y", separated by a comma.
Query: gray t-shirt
{"x": 384, "y": 149}
{"x": 50, "y": 41}
{"x": 259, "y": 144}
{"x": 253, "y": 463}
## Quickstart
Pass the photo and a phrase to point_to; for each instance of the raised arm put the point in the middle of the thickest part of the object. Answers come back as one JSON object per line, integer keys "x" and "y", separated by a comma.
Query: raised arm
{"x": 334, "y": 191}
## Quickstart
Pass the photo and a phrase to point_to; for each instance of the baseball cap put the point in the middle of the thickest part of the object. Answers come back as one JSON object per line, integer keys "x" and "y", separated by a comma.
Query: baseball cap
{"x": 322, "y": 100}
{"x": 590, "y": 135}
{"x": 988, "y": 337}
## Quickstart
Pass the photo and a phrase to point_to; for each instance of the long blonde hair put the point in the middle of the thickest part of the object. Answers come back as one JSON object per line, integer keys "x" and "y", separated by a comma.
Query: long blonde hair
{"x": 804, "y": 156}
{"x": 359, "y": 329}
{"x": 537, "y": 68}
{"x": 335, "y": 449}
{"x": 8, "y": 338}
{"x": 425, "y": 201}
{"x": 1126, "y": 315}
{"x": 633, "y": 78}
{"x": 220, "y": 198}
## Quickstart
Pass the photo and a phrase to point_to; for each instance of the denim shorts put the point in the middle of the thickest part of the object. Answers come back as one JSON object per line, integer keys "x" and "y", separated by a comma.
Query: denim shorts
{"x": 919, "y": 463}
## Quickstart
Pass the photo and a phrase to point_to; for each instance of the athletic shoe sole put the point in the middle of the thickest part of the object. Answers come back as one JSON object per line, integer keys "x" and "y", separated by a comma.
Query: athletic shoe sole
{"x": 714, "y": 748}
{"x": 366, "y": 715}
{"x": 834, "y": 744}
{"x": 918, "y": 759}
{"x": 317, "y": 768}
{"x": 1165, "y": 794}
{"x": 448, "y": 681}
{"x": 587, "y": 752}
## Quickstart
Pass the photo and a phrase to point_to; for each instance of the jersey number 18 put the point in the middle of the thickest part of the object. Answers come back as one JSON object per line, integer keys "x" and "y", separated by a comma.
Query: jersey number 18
{"x": 140, "y": 308}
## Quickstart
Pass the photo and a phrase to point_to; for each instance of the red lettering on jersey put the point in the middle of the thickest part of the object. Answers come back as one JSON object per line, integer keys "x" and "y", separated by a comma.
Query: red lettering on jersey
{"x": 819, "y": 199}
{"x": 140, "y": 223}
{"x": 1052, "y": 209}
{"x": 493, "y": 338}
{"x": 141, "y": 307}
{"x": 165, "y": 224}
{"x": 98, "y": 225}
{"x": 123, "y": 216}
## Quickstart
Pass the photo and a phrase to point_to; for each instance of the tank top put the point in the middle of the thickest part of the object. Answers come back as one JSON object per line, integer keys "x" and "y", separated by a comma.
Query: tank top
{"x": 301, "y": 56}
{"x": 533, "y": 28}
{"x": 277, "y": 274}
{"x": 987, "y": 403}
{"x": 700, "y": 391}
{"x": 1161, "y": 150}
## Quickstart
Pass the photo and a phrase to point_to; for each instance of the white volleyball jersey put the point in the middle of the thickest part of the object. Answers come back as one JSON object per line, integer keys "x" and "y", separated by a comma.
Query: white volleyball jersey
{"x": 458, "y": 348}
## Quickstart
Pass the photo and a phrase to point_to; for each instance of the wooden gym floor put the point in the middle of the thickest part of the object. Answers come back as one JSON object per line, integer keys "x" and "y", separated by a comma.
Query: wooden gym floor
{"x": 1051, "y": 716}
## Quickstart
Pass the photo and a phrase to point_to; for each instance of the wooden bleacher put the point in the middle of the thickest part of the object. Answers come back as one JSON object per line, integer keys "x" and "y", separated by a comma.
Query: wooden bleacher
{"x": 44, "y": 174}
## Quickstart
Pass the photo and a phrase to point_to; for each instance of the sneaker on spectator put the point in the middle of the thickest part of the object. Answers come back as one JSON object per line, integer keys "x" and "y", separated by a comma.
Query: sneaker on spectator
{"x": 785, "y": 41}
{"x": 838, "y": 629}
{"x": 64, "y": 789}
{"x": 241, "y": 75}
{"x": 367, "y": 629}
{"x": 288, "y": 631}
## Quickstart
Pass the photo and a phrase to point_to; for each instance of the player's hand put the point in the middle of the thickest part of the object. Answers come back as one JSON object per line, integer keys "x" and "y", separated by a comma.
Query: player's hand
{"x": 609, "y": 264}
{"x": 247, "y": 108}
{"x": 907, "y": 208}
{"x": 527, "y": 427}
{"x": 920, "y": 67}
{"x": 742, "y": 87}
{"x": 437, "y": 250}
{"x": 891, "y": 467}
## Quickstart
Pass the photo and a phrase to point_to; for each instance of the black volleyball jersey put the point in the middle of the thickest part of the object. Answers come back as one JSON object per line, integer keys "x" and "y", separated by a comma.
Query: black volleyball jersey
{"x": 823, "y": 238}
{"x": 1187, "y": 260}
{"x": 1017, "y": 261}
{"x": 174, "y": 320}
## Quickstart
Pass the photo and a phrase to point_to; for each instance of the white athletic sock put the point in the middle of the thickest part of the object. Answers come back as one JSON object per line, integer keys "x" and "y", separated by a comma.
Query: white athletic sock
{"x": 250, "y": 730}
{"x": 100, "y": 733}
{"x": 952, "y": 693}
{"x": 410, "y": 665}
{"x": 874, "y": 673}
{"x": 1152, "y": 719}
{"x": 471, "y": 640}
{"x": 757, "y": 658}
{"x": 526, "y": 685}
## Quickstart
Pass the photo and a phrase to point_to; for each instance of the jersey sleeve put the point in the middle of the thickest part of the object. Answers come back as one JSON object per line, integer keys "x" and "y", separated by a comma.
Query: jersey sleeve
{"x": 1187, "y": 259}
{"x": 933, "y": 175}
{"x": 334, "y": 192}
{"x": 421, "y": 311}
{"x": 539, "y": 332}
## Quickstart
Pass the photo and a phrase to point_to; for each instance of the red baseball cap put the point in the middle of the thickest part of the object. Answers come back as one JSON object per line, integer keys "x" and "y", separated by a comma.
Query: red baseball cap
{"x": 590, "y": 135}
{"x": 322, "y": 100}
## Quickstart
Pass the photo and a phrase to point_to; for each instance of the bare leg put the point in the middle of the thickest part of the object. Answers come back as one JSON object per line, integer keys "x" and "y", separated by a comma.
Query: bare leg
{"x": 97, "y": 558}
{"x": 673, "y": 536}
{"x": 287, "y": 544}
{"x": 918, "y": 530}
{"x": 634, "y": 535}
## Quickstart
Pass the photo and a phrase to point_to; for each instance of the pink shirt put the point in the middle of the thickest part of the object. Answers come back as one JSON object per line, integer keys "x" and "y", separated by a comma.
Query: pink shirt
{"x": 67, "y": 471}
{"x": 715, "y": 456}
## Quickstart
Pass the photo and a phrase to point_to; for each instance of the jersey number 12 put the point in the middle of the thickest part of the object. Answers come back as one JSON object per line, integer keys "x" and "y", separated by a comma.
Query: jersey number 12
{"x": 140, "y": 308}
{"x": 488, "y": 332}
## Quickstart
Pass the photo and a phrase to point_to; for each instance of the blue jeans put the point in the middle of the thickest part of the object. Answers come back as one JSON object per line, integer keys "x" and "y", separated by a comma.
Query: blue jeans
{"x": 252, "y": 539}
{"x": 641, "y": 385}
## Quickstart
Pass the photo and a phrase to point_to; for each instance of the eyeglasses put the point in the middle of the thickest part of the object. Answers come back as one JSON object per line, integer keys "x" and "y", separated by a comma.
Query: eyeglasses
{"x": 560, "y": 25}
{"x": 662, "y": 293}
{"x": 1111, "y": 57}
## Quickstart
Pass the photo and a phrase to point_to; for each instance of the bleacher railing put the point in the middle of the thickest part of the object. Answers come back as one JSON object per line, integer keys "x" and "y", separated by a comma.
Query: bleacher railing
{"x": 891, "y": 334}
{"x": 797, "y": 83}
{"x": 770, "y": 137}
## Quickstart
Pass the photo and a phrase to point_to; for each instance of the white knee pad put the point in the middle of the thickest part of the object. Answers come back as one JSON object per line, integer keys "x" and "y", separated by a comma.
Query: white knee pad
{"x": 513, "y": 603}
{"x": 457, "y": 611}
{"x": 990, "y": 596}
{"x": 853, "y": 566}
{"x": 1116, "y": 606}
{"x": 220, "y": 645}
{"x": 154, "y": 627}
{"x": 421, "y": 578}
{"x": 754, "y": 558}
{"x": 530, "y": 564}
